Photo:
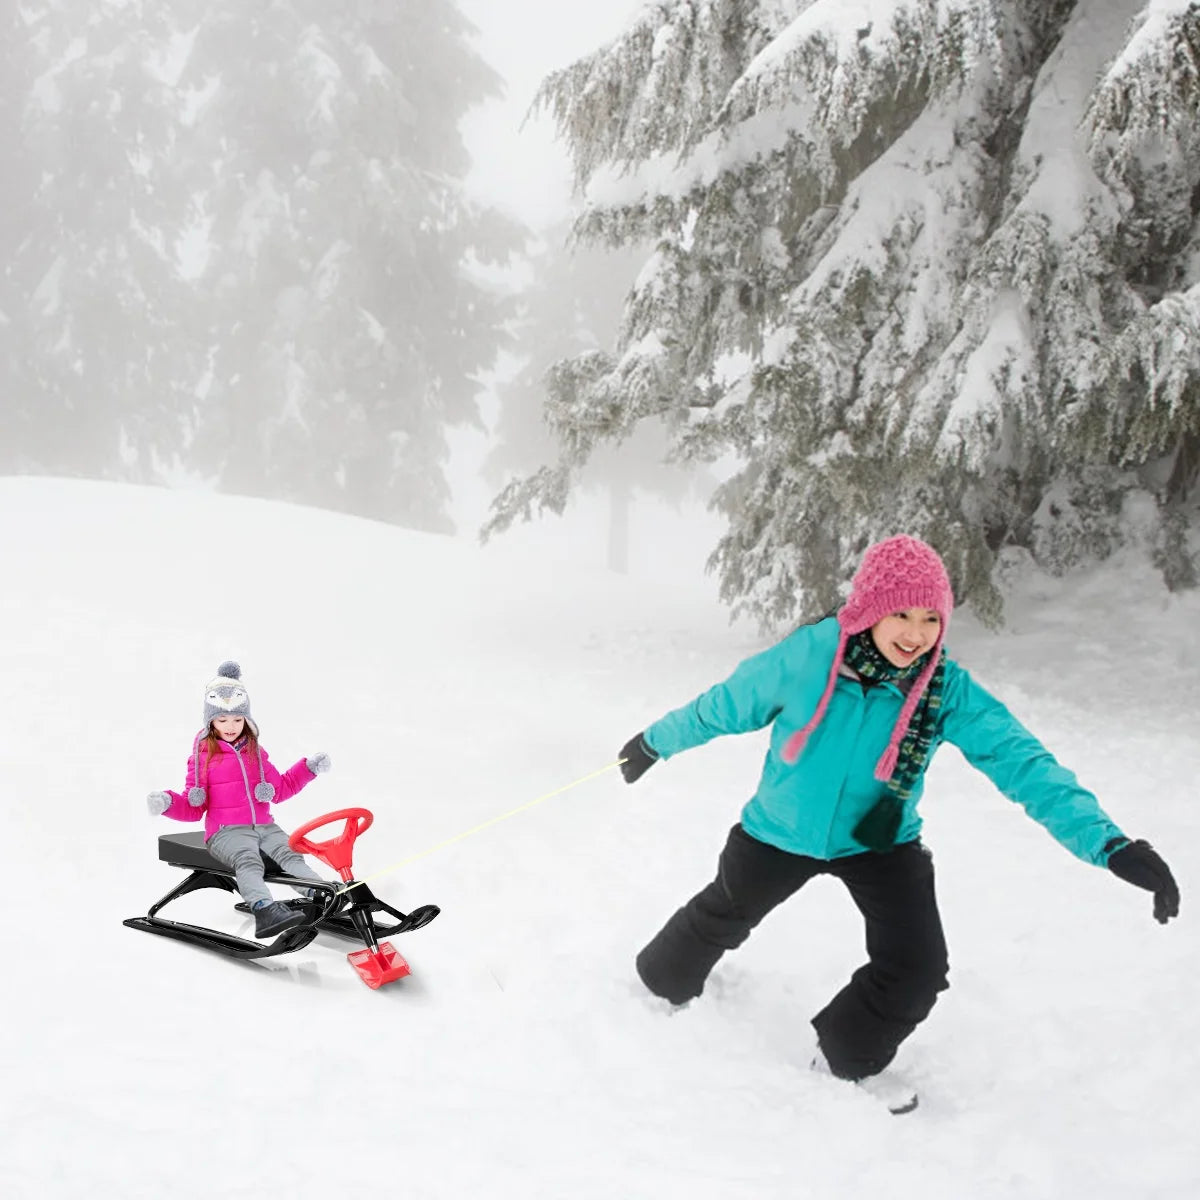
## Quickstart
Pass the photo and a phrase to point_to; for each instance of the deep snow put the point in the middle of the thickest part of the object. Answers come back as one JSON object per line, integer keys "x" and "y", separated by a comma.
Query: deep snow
{"x": 450, "y": 684}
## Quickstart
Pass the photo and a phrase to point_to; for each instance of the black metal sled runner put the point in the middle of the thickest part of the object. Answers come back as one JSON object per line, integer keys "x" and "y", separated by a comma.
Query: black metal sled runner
{"x": 348, "y": 909}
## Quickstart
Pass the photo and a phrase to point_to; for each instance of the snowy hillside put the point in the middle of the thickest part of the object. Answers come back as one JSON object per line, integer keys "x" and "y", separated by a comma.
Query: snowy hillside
{"x": 521, "y": 1060}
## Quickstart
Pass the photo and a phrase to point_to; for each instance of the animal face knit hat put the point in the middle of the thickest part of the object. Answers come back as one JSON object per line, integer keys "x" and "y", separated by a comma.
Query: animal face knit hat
{"x": 899, "y": 573}
{"x": 226, "y": 696}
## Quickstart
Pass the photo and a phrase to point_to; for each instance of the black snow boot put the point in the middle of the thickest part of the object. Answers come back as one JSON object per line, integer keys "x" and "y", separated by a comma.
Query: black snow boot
{"x": 273, "y": 918}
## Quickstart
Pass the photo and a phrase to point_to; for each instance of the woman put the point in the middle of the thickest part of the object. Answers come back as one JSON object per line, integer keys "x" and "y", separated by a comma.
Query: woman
{"x": 857, "y": 704}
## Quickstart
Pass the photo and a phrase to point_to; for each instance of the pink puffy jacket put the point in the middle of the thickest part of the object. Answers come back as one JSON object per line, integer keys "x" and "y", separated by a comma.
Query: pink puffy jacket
{"x": 229, "y": 779}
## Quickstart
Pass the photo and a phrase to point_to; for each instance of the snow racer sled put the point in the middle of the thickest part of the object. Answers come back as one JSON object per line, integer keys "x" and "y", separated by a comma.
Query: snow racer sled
{"x": 345, "y": 910}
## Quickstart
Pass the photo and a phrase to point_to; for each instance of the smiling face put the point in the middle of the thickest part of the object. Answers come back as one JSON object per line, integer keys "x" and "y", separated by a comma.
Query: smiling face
{"x": 904, "y": 636}
{"x": 229, "y": 728}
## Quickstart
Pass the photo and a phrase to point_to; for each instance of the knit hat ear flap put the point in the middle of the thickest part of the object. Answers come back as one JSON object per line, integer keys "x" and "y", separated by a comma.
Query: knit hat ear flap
{"x": 196, "y": 794}
{"x": 794, "y": 744}
{"x": 891, "y": 755}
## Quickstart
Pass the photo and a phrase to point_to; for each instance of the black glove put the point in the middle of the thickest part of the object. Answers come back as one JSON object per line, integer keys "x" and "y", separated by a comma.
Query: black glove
{"x": 638, "y": 758}
{"x": 1138, "y": 863}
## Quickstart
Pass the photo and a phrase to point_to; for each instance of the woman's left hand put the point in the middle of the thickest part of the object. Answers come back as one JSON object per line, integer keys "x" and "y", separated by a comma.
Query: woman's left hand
{"x": 319, "y": 763}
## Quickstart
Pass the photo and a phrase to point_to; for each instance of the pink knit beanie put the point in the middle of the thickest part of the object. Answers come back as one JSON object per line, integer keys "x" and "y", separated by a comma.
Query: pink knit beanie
{"x": 901, "y": 572}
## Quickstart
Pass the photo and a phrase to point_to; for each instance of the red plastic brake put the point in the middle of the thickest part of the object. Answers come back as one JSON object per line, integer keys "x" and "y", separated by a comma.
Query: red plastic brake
{"x": 377, "y": 967}
{"x": 336, "y": 852}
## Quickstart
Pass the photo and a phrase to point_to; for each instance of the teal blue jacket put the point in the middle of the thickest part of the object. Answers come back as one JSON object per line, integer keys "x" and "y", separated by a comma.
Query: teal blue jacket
{"x": 810, "y": 807}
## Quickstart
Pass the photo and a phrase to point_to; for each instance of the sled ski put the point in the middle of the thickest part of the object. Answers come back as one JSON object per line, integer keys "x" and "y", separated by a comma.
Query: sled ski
{"x": 201, "y": 877}
{"x": 341, "y": 922}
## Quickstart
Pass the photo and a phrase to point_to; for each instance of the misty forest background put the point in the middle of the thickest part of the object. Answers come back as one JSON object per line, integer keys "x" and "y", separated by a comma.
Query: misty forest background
{"x": 840, "y": 267}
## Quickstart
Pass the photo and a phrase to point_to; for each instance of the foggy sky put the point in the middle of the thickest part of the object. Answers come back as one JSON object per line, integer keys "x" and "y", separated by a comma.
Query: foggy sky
{"x": 525, "y": 170}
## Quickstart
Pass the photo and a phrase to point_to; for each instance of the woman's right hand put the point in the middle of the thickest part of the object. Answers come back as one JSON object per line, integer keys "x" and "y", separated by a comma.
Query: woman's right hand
{"x": 158, "y": 803}
{"x": 636, "y": 758}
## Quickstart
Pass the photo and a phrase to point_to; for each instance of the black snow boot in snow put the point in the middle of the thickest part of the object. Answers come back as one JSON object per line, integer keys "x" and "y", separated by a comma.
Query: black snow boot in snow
{"x": 889, "y": 1087}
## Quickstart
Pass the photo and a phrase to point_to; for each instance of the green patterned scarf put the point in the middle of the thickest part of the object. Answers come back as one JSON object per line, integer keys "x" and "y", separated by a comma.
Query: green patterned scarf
{"x": 878, "y": 829}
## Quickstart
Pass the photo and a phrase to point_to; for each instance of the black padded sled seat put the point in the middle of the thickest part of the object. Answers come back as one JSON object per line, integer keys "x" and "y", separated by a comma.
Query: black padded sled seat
{"x": 188, "y": 850}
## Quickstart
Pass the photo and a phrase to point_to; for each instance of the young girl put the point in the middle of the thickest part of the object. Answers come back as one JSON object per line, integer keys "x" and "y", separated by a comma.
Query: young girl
{"x": 231, "y": 783}
{"x": 858, "y": 703}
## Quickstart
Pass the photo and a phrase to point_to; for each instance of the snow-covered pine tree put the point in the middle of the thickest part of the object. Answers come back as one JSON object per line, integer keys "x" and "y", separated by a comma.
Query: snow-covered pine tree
{"x": 923, "y": 265}
{"x": 340, "y": 241}
{"x": 97, "y": 359}
{"x": 250, "y": 250}
{"x": 16, "y": 190}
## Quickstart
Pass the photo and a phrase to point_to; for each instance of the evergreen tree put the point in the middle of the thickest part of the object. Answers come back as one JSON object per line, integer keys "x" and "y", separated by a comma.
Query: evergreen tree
{"x": 339, "y": 243}
{"x": 253, "y": 249}
{"x": 923, "y": 265}
{"x": 16, "y": 189}
{"x": 88, "y": 223}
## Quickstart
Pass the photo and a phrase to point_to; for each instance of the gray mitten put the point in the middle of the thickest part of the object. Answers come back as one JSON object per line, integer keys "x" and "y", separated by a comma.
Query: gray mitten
{"x": 319, "y": 763}
{"x": 158, "y": 803}
{"x": 197, "y": 797}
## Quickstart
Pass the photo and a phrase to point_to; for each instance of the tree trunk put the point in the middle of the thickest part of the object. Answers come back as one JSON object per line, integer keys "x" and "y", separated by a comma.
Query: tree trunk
{"x": 619, "y": 497}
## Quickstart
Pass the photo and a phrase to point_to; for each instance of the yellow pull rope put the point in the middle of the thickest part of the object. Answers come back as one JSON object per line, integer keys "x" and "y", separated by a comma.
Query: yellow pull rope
{"x": 458, "y": 837}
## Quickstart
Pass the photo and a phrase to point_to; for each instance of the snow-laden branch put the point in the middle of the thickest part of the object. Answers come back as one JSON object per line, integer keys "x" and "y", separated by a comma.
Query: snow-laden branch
{"x": 827, "y": 92}
{"x": 661, "y": 83}
{"x": 1143, "y": 122}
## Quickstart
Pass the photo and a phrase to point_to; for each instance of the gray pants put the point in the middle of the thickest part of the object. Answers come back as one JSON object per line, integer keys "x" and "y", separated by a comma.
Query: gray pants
{"x": 241, "y": 847}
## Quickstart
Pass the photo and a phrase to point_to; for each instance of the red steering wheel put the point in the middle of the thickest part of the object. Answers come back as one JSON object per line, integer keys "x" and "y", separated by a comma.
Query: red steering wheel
{"x": 337, "y": 852}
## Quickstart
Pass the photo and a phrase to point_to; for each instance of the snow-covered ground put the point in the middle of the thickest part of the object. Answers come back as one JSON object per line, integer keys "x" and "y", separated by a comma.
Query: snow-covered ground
{"x": 451, "y": 684}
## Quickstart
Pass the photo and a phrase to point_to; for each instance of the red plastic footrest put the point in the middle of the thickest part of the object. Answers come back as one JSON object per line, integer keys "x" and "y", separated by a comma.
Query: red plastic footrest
{"x": 377, "y": 969}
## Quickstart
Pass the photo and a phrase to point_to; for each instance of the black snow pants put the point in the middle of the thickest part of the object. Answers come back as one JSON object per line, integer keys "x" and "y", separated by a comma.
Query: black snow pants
{"x": 860, "y": 1029}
